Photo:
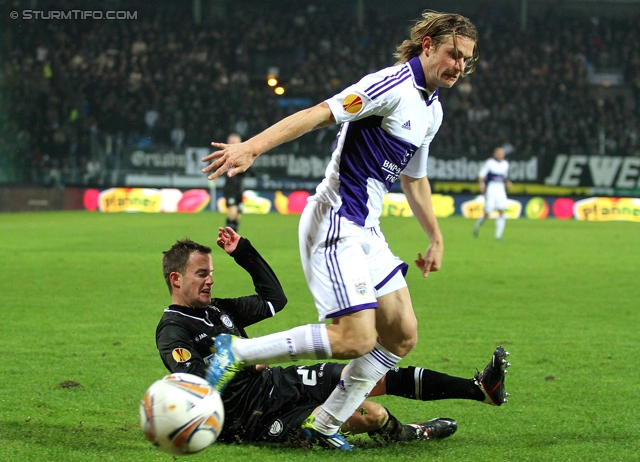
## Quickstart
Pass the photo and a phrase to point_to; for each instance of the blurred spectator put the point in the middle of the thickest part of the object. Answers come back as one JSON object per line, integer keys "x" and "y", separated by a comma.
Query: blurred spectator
{"x": 92, "y": 172}
{"x": 74, "y": 84}
{"x": 177, "y": 137}
{"x": 54, "y": 178}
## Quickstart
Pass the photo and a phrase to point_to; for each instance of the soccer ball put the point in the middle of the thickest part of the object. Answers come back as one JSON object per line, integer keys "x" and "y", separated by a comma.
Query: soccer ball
{"x": 181, "y": 414}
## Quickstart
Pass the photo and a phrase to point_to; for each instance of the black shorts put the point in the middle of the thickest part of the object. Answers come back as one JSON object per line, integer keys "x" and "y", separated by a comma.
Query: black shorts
{"x": 233, "y": 191}
{"x": 270, "y": 406}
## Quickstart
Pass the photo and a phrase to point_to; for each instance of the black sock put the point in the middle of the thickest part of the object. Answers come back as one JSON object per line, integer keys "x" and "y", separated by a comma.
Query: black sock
{"x": 390, "y": 431}
{"x": 394, "y": 430}
{"x": 233, "y": 224}
{"x": 427, "y": 385}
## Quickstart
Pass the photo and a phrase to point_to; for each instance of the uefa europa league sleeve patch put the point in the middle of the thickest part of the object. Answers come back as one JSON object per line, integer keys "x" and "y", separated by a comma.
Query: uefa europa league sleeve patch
{"x": 181, "y": 355}
{"x": 352, "y": 104}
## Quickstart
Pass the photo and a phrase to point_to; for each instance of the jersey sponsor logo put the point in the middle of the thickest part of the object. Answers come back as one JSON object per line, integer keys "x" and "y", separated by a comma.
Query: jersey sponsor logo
{"x": 226, "y": 320}
{"x": 321, "y": 371}
{"x": 392, "y": 171}
{"x": 181, "y": 355}
{"x": 276, "y": 428}
{"x": 352, "y": 104}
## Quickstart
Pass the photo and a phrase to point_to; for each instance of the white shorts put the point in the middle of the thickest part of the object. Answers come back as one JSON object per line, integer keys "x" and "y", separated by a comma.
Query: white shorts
{"x": 347, "y": 266}
{"x": 495, "y": 197}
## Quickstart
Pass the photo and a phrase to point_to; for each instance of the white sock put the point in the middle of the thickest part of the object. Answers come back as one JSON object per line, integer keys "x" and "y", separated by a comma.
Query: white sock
{"x": 304, "y": 342}
{"x": 479, "y": 222}
{"x": 358, "y": 379}
{"x": 500, "y": 222}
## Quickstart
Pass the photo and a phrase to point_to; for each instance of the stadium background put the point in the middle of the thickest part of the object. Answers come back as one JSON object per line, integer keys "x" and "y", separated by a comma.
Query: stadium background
{"x": 83, "y": 291}
{"x": 141, "y": 98}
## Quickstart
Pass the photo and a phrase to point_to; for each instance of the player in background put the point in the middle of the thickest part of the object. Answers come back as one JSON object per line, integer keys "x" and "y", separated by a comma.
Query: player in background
{"x": 388, "y": 120}
{"x": 493, "y": 178}
{"x": 232, "y": 191}
{"x": 270, "y": 404}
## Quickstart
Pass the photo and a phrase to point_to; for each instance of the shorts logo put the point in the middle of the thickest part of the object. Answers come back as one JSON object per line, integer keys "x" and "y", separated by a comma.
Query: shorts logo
{"x": 226, "y": 320}
{"x": 180, "y": 355}
{"x": 352, "y": 104}
{"x": 361, "y": 288}
{"x": 276, "y": 428}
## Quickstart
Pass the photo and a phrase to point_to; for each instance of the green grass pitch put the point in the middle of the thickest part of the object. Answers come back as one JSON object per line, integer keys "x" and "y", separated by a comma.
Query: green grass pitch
{"x": 82, "y": 293}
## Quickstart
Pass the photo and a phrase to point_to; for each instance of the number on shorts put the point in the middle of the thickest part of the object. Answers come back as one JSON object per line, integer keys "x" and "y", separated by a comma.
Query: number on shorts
{"x": 309, "y": 377}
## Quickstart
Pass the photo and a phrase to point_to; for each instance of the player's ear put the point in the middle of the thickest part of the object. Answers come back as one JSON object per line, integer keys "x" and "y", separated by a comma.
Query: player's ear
{"x": 427, "y": 43}
{"x": 176, "y": 279}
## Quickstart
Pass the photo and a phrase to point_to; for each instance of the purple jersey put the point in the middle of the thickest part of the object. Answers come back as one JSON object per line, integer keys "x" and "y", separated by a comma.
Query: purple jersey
{"x": 388, "y": 121}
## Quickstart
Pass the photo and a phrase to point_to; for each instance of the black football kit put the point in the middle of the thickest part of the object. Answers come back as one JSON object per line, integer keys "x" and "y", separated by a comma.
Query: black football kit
{"x": 233, "y": 189}
{"x": 259, "y": 406}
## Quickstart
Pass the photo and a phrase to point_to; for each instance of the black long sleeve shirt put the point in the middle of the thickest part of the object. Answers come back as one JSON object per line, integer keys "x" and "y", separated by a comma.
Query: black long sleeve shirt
{"x": 185, "y": 335}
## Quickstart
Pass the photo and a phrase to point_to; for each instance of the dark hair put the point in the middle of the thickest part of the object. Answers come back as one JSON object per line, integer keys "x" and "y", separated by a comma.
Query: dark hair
{"x": 175, "y": 259}
{"x": 439, "y": 26}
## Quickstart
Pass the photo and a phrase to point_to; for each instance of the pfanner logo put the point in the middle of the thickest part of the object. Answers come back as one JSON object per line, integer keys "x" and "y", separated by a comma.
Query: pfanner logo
{"x": 607, "y": 209}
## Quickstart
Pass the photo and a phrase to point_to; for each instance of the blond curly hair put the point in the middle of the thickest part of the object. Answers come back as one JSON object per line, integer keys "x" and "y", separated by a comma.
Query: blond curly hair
{"x": 439, "y": 26}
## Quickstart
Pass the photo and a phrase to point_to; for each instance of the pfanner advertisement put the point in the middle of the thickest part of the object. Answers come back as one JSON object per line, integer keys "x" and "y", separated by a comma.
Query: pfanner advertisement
{"x": 171, "y": 200}
{"x": 607, "y": 209}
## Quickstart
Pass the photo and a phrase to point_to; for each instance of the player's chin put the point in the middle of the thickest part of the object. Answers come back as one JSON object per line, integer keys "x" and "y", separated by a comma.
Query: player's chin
{"x": 448, "y": 83}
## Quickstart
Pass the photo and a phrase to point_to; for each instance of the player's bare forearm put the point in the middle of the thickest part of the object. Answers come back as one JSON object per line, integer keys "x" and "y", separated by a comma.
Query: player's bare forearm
{"x": 237, "y": 158}
{"x": 482, "y": 185}
{"x": 418, "y": 193}
{"x": 292, "y": 127}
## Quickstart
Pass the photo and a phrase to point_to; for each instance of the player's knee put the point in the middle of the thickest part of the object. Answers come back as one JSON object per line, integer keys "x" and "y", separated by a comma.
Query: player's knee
{"x": 362, "y": 345}
{"x": 354, "y": 346}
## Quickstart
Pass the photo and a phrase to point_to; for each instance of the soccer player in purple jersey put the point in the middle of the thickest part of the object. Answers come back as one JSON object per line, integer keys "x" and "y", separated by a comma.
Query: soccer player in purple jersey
{"x": 388, "y": 120}
{"x": 493, "y": 179}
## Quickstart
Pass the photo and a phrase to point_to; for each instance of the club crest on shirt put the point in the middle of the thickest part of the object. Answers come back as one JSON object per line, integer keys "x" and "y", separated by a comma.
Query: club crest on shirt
{"x": 181, "y": 355}
{"x": 361, "y": 288}
{"x": 226, "y": 320}
{"x": 276, "y": 428}
{"x": 352, "y": 104}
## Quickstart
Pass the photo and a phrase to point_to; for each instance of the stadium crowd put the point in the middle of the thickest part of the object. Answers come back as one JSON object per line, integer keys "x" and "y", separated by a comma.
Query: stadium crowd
{"x": 82, "y": 92}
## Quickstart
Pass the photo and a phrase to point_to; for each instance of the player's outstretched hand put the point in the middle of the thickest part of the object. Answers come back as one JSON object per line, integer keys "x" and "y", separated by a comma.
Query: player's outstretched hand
{"x": 227, "y": 239}
{"x": 432, "y": 260}
{"x": 231, "y": 158}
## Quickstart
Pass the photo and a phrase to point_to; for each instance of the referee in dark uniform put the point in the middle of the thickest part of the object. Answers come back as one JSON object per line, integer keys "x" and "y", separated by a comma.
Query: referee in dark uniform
{"x": 232, "y": 191}
{"x": 261, "y": 403}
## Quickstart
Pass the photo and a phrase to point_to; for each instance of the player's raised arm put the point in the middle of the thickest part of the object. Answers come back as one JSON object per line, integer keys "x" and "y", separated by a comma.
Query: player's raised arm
{"x": 237, "y": 158}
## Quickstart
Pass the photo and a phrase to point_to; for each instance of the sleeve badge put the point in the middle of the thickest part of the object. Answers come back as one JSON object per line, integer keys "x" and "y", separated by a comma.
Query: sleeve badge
{"x": 352, "y": 103}
{"x": 181, "y": 355}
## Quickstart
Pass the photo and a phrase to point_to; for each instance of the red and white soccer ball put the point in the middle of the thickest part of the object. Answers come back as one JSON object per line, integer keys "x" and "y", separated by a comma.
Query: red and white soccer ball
{"x": 181, "y": 414}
